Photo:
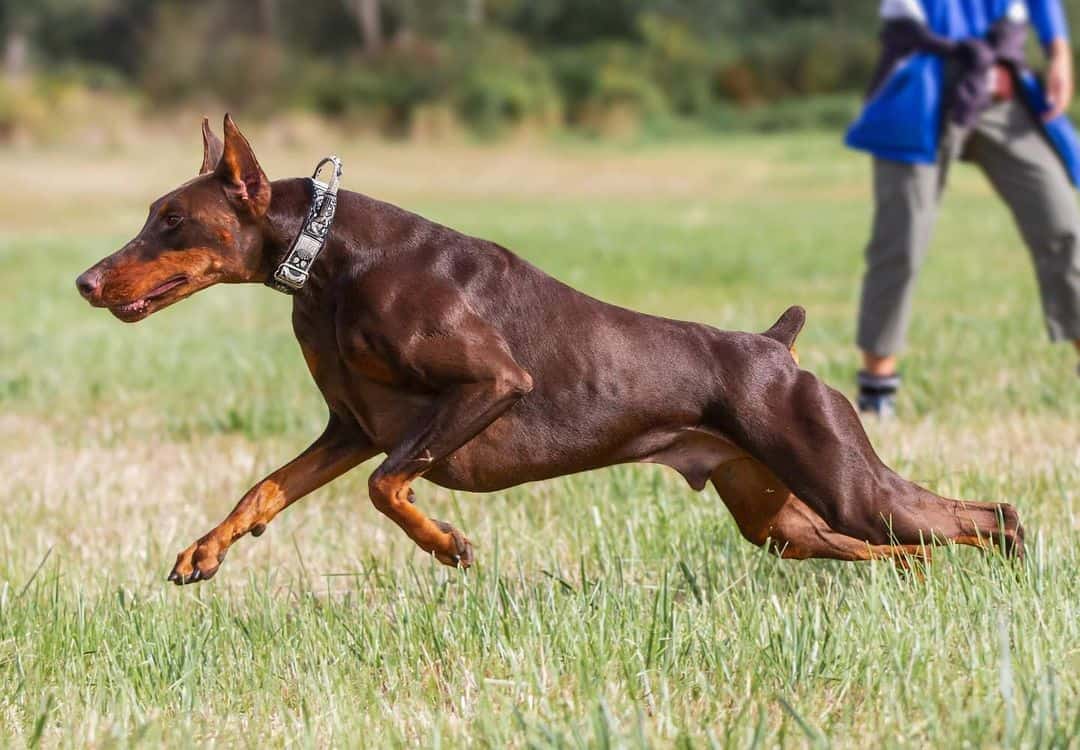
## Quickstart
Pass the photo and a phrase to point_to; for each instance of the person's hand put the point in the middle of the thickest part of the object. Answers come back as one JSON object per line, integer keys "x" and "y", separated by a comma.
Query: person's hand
{"x": 1059, "y": 79}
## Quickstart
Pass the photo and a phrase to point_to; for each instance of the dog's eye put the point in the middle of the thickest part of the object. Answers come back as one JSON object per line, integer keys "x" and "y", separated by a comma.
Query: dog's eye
{"x": 172, "y": 221}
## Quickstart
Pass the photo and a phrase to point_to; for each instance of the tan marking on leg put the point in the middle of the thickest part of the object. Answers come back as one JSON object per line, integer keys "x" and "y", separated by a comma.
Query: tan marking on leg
{"x": 769, "y": 514}
{"x": 328, "y": 457}
{"x": 393, "y": 498}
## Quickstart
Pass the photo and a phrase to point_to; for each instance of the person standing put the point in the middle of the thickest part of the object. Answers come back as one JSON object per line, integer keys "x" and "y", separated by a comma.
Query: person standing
{"x": 952, "y": 83}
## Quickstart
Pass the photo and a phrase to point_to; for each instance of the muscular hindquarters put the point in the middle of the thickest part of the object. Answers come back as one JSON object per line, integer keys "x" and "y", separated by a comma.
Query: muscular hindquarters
{"x": 768, "y": 514}
{"x": 809, "y": 436}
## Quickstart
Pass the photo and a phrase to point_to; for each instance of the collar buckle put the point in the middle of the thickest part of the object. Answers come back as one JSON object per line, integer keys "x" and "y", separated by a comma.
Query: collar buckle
{"x": 293, "y": 272}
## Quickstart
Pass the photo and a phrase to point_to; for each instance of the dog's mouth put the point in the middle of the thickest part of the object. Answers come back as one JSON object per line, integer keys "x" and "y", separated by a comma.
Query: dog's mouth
{"x": 129, "y": 312}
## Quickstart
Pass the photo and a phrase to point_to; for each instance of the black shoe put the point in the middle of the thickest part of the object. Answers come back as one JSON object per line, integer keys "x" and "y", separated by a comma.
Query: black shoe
{"x": 877, "y": 394}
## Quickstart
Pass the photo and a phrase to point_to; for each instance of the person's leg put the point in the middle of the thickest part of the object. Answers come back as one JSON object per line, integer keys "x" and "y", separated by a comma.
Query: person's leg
{"x": 905, "y": 209}
{"x": 1028, "y": 175}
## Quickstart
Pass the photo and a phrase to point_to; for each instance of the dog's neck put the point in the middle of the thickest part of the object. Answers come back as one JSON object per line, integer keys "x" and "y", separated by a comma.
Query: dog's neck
{"x": 289, "y": 205}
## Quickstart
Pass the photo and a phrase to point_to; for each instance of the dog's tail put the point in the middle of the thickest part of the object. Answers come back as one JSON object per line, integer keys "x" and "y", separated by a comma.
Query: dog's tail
{"x": 786, "y": 329}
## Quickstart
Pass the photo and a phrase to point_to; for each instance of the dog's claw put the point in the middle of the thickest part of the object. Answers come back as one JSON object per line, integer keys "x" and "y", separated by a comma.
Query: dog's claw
{"x": 199, "y": 562}
{"x": 1014, "y": 549}
{"x": 463, "y": 555}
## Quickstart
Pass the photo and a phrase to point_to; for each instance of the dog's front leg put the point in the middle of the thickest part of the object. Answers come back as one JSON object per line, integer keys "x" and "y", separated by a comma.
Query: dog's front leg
{"x": 456, "y": 417}
{"x": 475, "y": 380}
{"x": 336, "y": 451}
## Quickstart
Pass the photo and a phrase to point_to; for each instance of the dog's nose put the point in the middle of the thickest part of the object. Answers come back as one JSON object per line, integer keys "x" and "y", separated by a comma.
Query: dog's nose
{"x": 89, "y": 283}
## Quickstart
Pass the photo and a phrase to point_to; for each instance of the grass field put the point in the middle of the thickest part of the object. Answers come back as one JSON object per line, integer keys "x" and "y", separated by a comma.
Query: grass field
{"x": 119, "y": 445}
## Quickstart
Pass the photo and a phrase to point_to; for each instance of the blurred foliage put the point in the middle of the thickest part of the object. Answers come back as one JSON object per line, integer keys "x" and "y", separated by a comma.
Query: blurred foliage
{"x": 403, "y": 66}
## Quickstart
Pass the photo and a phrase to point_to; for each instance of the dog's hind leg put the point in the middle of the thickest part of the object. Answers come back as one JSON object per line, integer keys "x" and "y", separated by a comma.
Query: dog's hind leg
{"x": 768, "y": 515}
{"x": 336, "y": 451}
{"x": 809, "y": 436}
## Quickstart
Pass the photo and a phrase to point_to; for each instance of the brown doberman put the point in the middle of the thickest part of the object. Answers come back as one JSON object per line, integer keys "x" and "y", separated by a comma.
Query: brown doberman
{"x": 472, "y": 368}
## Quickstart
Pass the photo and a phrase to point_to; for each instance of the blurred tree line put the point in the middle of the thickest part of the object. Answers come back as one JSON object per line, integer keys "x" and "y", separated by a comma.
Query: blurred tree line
{"x": 489, "y": 64}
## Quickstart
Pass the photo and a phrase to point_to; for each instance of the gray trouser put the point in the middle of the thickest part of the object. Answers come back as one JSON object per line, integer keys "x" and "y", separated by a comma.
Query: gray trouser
{"x": 1029, "y": 177}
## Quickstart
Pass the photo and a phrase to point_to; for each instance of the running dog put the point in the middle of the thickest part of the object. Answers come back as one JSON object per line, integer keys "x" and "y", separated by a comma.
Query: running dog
{"x": 472, "y": 368}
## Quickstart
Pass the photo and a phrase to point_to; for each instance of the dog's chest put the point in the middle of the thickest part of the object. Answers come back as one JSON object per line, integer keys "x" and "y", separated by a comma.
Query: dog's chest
{"x": 357, "y": 383}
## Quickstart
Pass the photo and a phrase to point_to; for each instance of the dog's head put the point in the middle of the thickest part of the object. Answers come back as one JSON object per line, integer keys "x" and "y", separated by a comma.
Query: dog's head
{"x": 208, "y": 230}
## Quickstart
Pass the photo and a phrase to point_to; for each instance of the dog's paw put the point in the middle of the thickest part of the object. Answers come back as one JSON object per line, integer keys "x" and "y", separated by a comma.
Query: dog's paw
{"x": 199, "y": 562}
{"x": 459, "y": 553}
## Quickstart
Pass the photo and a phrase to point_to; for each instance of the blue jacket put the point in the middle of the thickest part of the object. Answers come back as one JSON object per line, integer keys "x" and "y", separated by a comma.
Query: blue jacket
{"x": 902, "y": 119}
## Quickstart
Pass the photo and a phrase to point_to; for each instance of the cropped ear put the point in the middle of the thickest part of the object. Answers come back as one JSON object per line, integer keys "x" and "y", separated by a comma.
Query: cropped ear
{"x": 211, "y": 148}
{"x": 246, "y": 184}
